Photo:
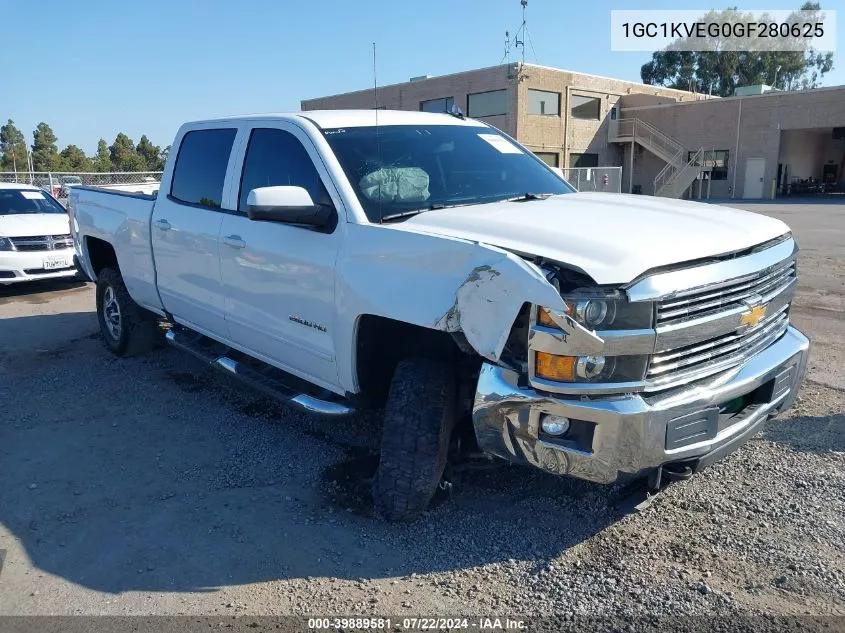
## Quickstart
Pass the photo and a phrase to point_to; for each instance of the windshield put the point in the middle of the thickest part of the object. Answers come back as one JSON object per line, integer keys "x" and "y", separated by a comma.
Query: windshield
{"x": 400, "y": 169}
{"x": 21, "y": 201}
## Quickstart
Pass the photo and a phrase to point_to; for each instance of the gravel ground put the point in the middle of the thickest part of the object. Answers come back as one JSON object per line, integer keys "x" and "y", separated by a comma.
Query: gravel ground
{"x": 155, "y": 486}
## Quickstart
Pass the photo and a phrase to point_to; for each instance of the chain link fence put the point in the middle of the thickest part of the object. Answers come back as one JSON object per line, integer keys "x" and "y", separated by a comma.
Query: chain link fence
{"x": 604, "y": 179}
{"x": 58, "y": 182}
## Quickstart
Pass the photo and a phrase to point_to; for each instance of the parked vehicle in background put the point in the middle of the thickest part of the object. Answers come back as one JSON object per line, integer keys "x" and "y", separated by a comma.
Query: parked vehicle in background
{"x": 65, "y": 183}
{"x": 430, "y": 263}
{"x": 35, "y": 241}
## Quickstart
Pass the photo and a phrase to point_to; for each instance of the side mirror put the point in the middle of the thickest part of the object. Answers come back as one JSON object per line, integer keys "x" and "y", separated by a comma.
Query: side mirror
{"x": 289, "y": 205}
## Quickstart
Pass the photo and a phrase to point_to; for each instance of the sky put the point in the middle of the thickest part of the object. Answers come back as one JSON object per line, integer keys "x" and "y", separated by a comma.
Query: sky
{"x": 92, "y": 69}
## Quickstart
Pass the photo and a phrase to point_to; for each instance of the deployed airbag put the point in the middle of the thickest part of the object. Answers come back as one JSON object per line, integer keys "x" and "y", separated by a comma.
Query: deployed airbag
{"x": 396, "y": 184}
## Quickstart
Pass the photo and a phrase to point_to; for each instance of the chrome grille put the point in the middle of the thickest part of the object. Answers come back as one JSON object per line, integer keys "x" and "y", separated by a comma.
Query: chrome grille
{"x": 42, "y": 242}
{"x": 719, "y": 297}
{"x": 705, "y": 358}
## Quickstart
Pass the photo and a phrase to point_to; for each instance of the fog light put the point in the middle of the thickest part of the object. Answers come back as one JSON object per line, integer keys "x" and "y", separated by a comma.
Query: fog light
{"x": 554, "y": 424}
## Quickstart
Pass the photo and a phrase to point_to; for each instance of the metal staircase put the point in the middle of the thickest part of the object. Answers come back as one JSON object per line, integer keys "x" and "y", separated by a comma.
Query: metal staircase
{"x": 679, "y": 173}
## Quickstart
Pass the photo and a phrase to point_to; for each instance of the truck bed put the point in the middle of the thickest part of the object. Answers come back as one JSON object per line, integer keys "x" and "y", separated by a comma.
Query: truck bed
{"x": 120, "y": 218}
{"x": 144, "y": 189}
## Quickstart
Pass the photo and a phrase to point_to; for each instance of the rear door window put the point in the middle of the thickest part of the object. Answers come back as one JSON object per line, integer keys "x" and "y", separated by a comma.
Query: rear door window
{"x": 201, "y": 167}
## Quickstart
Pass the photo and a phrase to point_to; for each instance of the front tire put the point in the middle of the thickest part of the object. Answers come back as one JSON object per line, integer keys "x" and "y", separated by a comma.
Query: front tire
{"x": 127, "y": 328}
{"x": 418, "y": 422}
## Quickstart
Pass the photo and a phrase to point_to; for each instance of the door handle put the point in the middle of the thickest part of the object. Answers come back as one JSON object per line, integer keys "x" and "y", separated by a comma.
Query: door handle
{"x": 163, "y": 224}
{"x": 235, "y": 241}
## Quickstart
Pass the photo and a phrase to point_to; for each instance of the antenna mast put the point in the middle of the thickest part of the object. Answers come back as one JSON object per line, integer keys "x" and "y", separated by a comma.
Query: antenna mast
{"x": 522, "y": 35}
{"x": 375, "y": 81}
{"x": 520, "y": 43}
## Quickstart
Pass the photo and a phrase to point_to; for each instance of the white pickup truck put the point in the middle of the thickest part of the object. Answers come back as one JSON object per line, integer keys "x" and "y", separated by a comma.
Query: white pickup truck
{"x": 344, "y": 259}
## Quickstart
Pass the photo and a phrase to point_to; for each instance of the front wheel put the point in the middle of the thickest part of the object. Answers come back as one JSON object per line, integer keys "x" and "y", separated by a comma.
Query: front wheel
{"x": 126, "y": 327}
{"x": 418, "y": 422}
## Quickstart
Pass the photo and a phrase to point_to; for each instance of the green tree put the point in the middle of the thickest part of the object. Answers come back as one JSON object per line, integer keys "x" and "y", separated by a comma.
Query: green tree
{"x": 74, "y": 159}
{"x": 124, "y": 156}
{"x": 12, "y": 148}
{"x": 102, "y": 161}
{"x": 151, "y": 154}
{"x": 45, "y": 152}
{"x": 721, "y": 72}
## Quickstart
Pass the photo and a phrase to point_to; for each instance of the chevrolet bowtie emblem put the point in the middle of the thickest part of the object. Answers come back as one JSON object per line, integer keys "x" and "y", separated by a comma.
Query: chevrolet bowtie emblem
{"x": 754, "y": 315}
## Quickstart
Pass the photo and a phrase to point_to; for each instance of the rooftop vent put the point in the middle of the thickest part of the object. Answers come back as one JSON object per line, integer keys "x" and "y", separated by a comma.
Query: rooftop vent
{"x": 746, "y": 91}
{"x": 420, "y": 78}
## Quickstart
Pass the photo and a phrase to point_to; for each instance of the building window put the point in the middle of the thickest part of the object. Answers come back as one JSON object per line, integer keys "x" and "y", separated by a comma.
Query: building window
{"x": 583, "y": 160}
{"x": 552, "y": 159}
{"x": 491, "y": 103}
{"x": 586, "y": 107}
{"x": 542, "y": 102}
{"x": 717, "y": 160}
{"x": 201, "y": 166}
{"x": 437, "y": 105}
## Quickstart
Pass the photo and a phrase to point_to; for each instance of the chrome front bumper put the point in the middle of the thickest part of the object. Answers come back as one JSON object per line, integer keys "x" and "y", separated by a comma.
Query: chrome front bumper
{"x": 632, "y": 434}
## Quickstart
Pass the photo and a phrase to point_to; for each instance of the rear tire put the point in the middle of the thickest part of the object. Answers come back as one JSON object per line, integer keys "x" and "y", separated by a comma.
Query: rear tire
{"x": 127, "y": 328}
{"x": 418, "y": 422}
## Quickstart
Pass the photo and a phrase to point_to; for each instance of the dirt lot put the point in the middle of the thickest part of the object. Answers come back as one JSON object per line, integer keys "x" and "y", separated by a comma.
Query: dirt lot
{"x": 155, "y": 486}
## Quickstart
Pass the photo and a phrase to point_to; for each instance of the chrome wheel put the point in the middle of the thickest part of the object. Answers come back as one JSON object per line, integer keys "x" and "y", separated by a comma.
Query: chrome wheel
{"x": 111, "y": 313}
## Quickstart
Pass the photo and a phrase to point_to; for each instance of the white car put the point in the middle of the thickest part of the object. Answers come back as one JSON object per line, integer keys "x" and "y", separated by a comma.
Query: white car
{"x": 35, "y": 241}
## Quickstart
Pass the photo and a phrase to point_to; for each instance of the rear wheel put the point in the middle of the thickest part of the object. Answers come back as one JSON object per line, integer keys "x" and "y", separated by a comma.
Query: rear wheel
{"x": 418, "y": 422}
{"x": 126, "y": 327}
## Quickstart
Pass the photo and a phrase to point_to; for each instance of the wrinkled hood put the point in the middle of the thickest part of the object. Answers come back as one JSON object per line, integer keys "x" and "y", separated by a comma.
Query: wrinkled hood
{"x": 33, "y": 224}
{"x": 613, "y": 238}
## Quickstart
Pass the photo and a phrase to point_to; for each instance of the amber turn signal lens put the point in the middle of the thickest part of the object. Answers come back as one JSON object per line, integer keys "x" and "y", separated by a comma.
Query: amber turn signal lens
{"x": 544, "y": 318}
{"x": 554, "y": 367}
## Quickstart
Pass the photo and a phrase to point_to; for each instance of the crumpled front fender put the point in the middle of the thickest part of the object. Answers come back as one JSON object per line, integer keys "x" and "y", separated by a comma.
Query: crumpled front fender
{"x": 441, "y": 283}
{"x": 488, "y": 301}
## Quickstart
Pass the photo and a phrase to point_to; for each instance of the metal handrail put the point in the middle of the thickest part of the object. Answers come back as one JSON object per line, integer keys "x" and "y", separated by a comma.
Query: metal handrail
{"x": 693, "y": 164}
{"x": 639, "y": 129}
{"x": 668, "y": 140}
{"x": 677, "y": 167}
{"x": 669, "y": 170}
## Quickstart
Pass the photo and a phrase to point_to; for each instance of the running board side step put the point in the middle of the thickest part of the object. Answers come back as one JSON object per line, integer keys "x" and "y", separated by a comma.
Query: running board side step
{"x": 217, "y": 355}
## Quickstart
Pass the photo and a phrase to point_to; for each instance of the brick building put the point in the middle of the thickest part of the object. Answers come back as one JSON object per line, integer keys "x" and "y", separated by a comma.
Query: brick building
{"x": 669, "y": 142}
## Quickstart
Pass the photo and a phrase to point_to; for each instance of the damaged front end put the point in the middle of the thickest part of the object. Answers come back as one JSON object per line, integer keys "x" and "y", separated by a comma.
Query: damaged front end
{"x": 484, "y": 308}
{"x": 601, "y": 382}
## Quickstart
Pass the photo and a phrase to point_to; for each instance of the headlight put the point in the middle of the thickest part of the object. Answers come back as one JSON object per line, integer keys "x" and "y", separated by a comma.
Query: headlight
{"x": 593, "y": 312}
{"x": 600, "y": 313}
{"x": 6, "y": 244}
{"x": 569, "y": 360}
{"x": 587, "y": 369}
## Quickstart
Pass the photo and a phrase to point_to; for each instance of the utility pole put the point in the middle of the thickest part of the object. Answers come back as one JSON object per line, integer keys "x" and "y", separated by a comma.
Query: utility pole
{"x": 775, "y": 82}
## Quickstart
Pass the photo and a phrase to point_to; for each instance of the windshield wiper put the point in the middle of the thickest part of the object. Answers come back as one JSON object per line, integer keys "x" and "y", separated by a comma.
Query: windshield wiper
{"x": 531, "y": 196}
{"x": 408, "y": 214}
{"x": 399, "y": 216}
